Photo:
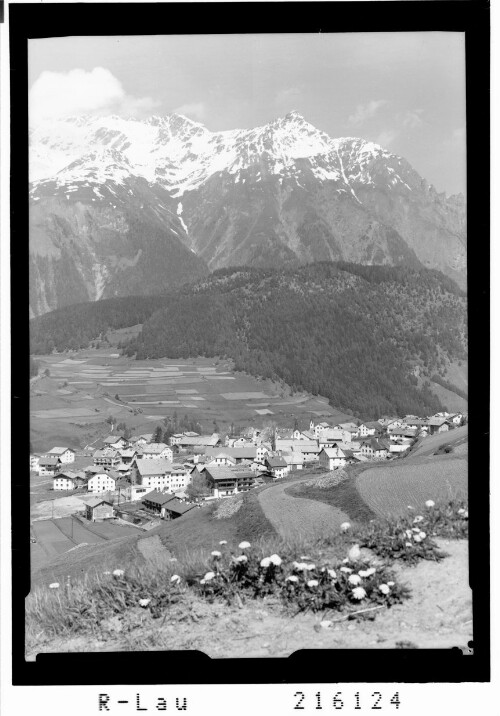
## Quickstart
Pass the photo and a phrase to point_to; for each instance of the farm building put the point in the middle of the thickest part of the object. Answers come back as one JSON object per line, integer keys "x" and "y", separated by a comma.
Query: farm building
{"x": 137, "y": 492}
{"x": 197, "y": 441}
{"x": 106, "y": 457}
{"x": 49, "y": 466}
{"x": 224, "y": 481}
{"x": 155, "y": 501}
{"x": 175, "y": 508}
{"x": 157, "y": 451}
{"x": 101, "y": 482}
{"x": 294, "y": 460}
{"x": 68, "y": 480}
{"x": 373, "y": 448}
{"x": 127, "y": 455}
{"x": 97, "y": 509}
{"x": 438, "y": 425}
{"x": 236, "y": 455}
{"x": 277, "y": 466}
{"x": 65, "y": 454}
{"x": 118, "y": 442}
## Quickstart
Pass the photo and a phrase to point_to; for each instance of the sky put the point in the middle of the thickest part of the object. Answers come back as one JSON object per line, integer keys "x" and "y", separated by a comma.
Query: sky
{"x": 405, "y": 91}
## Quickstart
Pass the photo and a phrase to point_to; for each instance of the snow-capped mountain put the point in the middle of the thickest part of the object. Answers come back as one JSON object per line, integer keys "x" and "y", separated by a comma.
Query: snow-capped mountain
{"x": 123, "y": 206}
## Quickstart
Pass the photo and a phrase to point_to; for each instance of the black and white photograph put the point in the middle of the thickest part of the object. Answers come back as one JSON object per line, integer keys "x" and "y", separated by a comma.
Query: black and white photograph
{"x": 249, "y": 346}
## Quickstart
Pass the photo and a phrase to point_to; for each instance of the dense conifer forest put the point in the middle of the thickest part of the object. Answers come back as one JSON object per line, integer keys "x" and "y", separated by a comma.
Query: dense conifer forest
{"x": 366, "y": 337}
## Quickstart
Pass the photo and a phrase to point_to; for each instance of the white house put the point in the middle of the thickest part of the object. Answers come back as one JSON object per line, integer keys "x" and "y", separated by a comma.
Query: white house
{"x": 261, "y": 452}
{"x": 157, "y": 451}
{"x": 63, "y": 482}
{"x": 331, "y": 458}
{"x": 277, "y": 466}
{"x": 162, "y": 474}
{"x": 368, "y": 429}
{"x": 222, "y": 458}
{"x": 106, "y": 458}
{"x": 65, "y": 454}
{"x": 373, "y": 448}
{"x": 118, "y": 442}
{"x": 34, "y": 460}
{"x": 101, "y": 482}
{"x": 48, "y": 466}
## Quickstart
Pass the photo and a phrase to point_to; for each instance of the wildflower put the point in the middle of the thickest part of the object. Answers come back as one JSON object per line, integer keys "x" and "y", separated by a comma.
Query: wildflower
{"x": 292, "y": 578}
{"x": 310, "y": 567}
{"x": 202, "y": 581}
{"x": 358, "y": 593}
{"x": 300, "y": 566}
{"x": 354, "y": 553}
{"x": 417, "y": 538}
{"x": 461, "y": 511}
{"x": 384, "y": 588}
{"x": 244, "y": 545}
{"x": 209, "y": 576}
{"x": 144, "y": 602}
{"x": 332, "y": 574}
{"x": 242, "y": 558}
{"x": 54, "y": 585}
{"x": 118, "y": 572}
{"x": 275, "y": 559}
{"x": 422, "y": 535}
{"x": 223, "y": 541}
{"x": 466, "y": 515}
{"x": 367, "y": 572}
{"x": 312, "y": 583}
{"x": 326, "y": 624}
{"x": 430, "y": 503}
{"x": 416, "y": 529}
{"x": 347, "y": 570}
{"x": 173, "y": 559}
{"x": 418, "y": 519}
{"x": 108, "y": 572}
{"x": 345, "y": 526}
{"x": 216, "y": 554}
{"x": 354, "y": 579}
{"x": 408, "y": 544}
{"x": 345, "y": 561}
{"x": 391, "y": 584}
{"x": 304, "y": 556}
{"x": 265, "y": 562}
{"x": 409, "y": 534}
{"x": 175, "y": 578}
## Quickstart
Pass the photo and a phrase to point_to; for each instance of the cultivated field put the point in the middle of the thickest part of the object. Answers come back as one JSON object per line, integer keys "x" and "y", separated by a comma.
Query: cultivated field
{"x": 70, "y": 406}
{"x": 390, "y": 489}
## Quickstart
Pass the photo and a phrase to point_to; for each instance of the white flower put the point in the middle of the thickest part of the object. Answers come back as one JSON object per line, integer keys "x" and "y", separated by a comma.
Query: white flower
{"x": 275, "y": 559}
{"x": 345, "y": 561}
{"x": 173, "y": 559}
{"x": 223, "y": 541}
{"x": 107, "y": 572}
{"x": 347, "y": 570}
{"x": 410, "y": 507}
{"x": 466, "y": 515}
{"x": 408, "y": 544}
{"x": 209, "y": 576}
{"x": 300, "y": 566}
{"x": 422, "y": 535}
{"x": 144, "y": 602}
{"x": 265, "y": 562}
{"x": 461, "y": 511}
{"x": 54, "y": 585}
{"x": 409, "y": 534}
{"x": 367, "y": 572}
{"x": 312, "y": 583}
{"x": 118, "y": 572}
{"x": 391, "y": 584}
{"x": 354, "y": 579}
{"x": 332, "y": 574}
{"x": 216, "y": 554}
{"x": 418, "y": 519}
{"x": 430, "y": 503}
{"x": 242, "y": 558}
{"x": 310, "y": 567}
{"x": 244, "y": 545}
{"x": 326, "y": 624}
{"x": 384, "y": 588}
{"x": 175, "y": 578}
{"x": 304, "y": 556}
{"x": 417, "y": 538}
{"x": 358, "y": 593}
{"x": 345, "y": 526}
{"x": 292, "y": 578}
{"x": 202, "y": 581}
{"x": 416, "y": 529}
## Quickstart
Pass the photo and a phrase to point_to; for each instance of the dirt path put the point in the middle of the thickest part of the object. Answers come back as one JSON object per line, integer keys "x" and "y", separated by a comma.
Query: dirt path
{"x": 298, "y": 516}
{"x": 438, "y": 616}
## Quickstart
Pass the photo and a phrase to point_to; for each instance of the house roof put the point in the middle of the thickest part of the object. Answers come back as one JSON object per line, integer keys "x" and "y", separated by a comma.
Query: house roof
{"x": 200, "y": 440}
{"x": 276, "y": 462}
{"x": 59, "y": 450}
{"x": 128, "y": 452}
{"x": 243, "y": 453}
{"x": 220, "y": 472}
{"x": 373, "y": 424}
{"x": 106, "y": 452}
{"x": 112, "y": 439}
{"x": 154, "y": 448}
{"x": 437, "y": 421}
{"x": 49, "y": 461}
{"x": 335, "y": 452}
{"x": 154, "y": 467}
{"x": 114, "y": 477}
{"x": 176, "y": 505}
{"x": 95, "y": 501}
{"x": 159, "y": 498}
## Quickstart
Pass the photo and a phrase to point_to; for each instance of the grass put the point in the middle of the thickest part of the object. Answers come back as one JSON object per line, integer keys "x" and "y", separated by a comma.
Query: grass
{"x": 104, "y": 601}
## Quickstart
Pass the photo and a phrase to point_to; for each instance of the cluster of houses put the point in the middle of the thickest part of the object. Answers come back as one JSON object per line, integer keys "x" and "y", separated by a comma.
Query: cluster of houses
{"x": 157, "y": 474}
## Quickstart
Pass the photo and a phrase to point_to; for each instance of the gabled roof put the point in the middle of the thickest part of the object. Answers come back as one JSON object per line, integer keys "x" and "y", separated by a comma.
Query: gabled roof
{"x": 154, "y": 448}
{"x": 243, "y": 453}
{"x": 159, "y": 497}
{"x": 49, "y": 461}
{"x": 437, "y": 421}
{"x": 112, "y": 439}
{"x": 154, "y": 467}
{"x": 373, "y": 424}
{"x": 179, "y": 507}
{"x": 59, "y": 450}
{"x": 106, "y": 452}
{"x": 219, "y": 472}
{"x": 275, "y": 462}
{"x": 95, "y": 501}
{"x": 200, "y": 440}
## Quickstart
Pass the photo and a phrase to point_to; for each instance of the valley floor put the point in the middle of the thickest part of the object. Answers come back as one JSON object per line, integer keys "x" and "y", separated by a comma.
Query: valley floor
{"x": 439, "y": 615}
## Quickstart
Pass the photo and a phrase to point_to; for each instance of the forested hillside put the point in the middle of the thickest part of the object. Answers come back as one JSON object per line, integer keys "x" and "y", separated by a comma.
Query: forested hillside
{"x": 366, "y": 337}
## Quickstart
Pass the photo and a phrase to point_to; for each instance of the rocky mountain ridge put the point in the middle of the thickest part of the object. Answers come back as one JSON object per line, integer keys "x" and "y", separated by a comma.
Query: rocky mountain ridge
{"x": 122, "y": 206}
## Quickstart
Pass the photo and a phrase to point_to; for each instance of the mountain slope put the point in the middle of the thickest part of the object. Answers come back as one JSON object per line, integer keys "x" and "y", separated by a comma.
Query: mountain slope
{"x": 282, "y": 194}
